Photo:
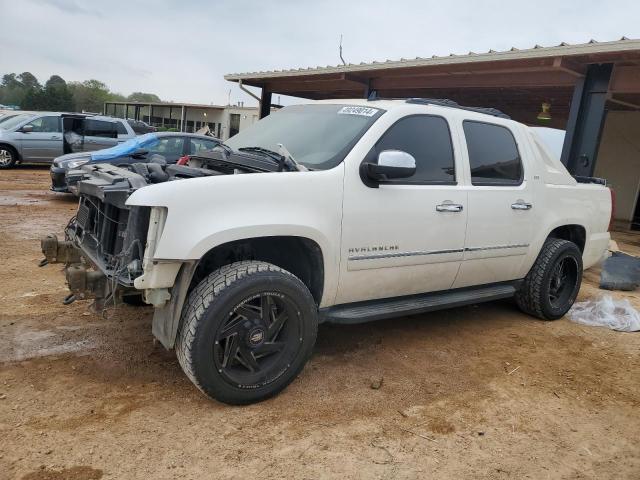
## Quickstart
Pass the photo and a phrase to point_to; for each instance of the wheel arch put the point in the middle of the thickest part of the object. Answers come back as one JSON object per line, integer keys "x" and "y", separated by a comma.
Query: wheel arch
{"x": 301, "y": 256}
{"x": 13, "y": 149}
{"x": 572, "y": 232}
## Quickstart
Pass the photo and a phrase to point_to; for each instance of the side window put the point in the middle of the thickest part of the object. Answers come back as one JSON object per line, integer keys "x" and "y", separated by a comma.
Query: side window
{"x": 428, "y": 139}
{"x": 121, "y": 129}
{"x": 99, "y": 128}
{"x": 197, "y": 145}
{"x": 168, "y": 146}
{"x": 46, "y": 124}
{"x": 493, "y": 154}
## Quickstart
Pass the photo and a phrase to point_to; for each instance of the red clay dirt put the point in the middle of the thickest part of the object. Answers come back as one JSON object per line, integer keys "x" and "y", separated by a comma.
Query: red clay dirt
{"x": 475, "y": 392}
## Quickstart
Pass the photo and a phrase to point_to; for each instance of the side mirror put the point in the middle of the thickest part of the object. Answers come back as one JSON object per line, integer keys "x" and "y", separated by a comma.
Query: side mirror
{"x": 140, "y": 153}
{"x": 391, "y": 164}
{"x": 26, "y": 129}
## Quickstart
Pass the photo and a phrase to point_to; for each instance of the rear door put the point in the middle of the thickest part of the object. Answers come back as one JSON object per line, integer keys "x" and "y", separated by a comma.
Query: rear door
{"x": 501, "y": 205}
{"x": 171, "y": 147}
{"x": 44, "y": 142}
{"x": 99, "y": 134}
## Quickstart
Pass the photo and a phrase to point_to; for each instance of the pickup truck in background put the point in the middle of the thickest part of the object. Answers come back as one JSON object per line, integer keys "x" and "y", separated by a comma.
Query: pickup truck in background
{"x": 39, "y": 137}
{"x": 340, "y": 211}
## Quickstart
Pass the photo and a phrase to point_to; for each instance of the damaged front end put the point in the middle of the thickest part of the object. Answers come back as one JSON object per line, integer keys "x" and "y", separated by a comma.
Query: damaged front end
{"x": 105, "y": 248}
{"x": 109, "y": 246}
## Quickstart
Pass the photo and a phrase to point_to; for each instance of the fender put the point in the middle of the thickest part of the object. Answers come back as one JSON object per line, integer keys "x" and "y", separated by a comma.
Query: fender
{"x": 589, "y": 207}
{"x": 204, "y": 213}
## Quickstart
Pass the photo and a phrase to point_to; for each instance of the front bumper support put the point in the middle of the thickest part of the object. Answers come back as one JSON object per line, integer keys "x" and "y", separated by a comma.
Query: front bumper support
{"x": 56, "y": 251}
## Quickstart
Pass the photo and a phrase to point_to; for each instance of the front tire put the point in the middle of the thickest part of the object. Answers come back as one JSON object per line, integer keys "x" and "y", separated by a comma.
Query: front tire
{"x": 247, "y": 331}
{"x": 8, "y": 157}
{"x": 552, "y": 284}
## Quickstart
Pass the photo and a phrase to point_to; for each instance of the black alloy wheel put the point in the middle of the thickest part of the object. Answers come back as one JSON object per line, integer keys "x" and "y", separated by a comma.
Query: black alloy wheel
{"x": 246, "y": 332}
{"x": 563, "y": 281}
{"x": 552, "y": 285}
{"x": 258, "y": 340}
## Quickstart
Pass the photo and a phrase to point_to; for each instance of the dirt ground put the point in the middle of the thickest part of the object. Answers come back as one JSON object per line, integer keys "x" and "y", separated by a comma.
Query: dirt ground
{"x": 474, "y": 392}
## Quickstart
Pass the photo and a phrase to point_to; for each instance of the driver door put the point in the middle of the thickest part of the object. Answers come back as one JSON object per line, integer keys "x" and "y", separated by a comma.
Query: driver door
{"x": 44, "y": 142}
{"x": 404, "y": 236}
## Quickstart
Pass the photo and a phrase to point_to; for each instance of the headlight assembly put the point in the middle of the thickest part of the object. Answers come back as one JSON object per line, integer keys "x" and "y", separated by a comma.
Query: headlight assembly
{"x": 76, "y": 163}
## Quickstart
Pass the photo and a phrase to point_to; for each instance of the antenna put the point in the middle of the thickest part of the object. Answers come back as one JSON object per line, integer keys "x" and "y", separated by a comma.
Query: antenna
{"x": 340, "y": 49}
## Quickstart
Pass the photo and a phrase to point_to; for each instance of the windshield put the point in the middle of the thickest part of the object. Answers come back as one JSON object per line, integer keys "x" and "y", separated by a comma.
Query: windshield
{"x": 318, "y": 136}
{"x": 14, "y": 121}
{"x": 4, "y": 118}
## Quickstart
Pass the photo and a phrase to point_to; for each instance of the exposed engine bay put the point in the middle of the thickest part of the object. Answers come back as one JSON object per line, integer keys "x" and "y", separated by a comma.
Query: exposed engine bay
{"x": 104, "y": 246}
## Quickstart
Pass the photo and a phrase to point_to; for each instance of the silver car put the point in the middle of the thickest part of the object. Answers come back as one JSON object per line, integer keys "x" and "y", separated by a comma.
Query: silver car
{"x": 40, "y": 137}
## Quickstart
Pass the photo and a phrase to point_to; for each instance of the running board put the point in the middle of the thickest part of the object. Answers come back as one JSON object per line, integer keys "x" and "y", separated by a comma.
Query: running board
{"x": 361, "y": 312}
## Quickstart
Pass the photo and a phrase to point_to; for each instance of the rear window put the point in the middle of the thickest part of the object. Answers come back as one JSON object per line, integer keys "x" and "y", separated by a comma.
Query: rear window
{"x": 493, "y": 154}
{"x": 121, "y": 129}
{"x": 99, "y": 128}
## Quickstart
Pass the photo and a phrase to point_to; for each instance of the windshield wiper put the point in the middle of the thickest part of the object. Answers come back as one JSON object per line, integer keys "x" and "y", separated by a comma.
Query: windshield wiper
{"x": 225, "y": 148}
{"x": 291, "y": 162}
{"x": 284, "y": 159}
{"x": 270, "y": 154}
{"x": 265, "y": 151}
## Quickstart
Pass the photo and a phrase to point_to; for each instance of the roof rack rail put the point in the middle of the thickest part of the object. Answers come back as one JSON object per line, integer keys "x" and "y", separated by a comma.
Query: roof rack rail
{"x": 445, "y": 102}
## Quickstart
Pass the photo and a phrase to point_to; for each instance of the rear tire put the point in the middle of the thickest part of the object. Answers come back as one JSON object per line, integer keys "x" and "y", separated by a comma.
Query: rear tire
{"x": 8, "y": 157}
{"x": 246, "y": 332}
{"x": 552, "y": 284}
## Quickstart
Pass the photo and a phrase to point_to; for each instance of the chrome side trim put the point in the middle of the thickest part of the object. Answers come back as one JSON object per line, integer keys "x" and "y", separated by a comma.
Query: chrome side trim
{"x": 433, "y": 252}
{"x": 404, "y": 254}
{"x": 496, "y": 247}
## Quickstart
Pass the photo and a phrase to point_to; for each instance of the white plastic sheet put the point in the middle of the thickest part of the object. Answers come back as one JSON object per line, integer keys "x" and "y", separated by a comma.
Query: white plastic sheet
{"x": 606, "y": 312}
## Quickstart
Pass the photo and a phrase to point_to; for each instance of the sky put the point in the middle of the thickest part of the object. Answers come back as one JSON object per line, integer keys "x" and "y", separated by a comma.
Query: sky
{"x": 181, "y": 50}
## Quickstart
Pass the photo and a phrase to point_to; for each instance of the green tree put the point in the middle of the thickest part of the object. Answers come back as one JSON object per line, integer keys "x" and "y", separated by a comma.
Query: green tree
{"x": 10, "y": 80}
{"x": 56, "y": 95}
{"x": 29, "y": 81}
{"x": 31, "y": 91}
{"x": 12, "y": 90}
{"x": 89, "y": 96}
{"x": 143, "y": 97}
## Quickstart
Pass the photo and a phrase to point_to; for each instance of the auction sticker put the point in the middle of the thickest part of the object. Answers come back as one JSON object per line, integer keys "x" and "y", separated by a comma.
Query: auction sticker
{"x": 356, "y": 110}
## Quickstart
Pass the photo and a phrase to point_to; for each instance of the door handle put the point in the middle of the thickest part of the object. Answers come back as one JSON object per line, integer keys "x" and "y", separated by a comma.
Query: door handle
{"x": 55, "y": 137}
{"x": 521, "y": 206}
{"x": 448, "y": 207}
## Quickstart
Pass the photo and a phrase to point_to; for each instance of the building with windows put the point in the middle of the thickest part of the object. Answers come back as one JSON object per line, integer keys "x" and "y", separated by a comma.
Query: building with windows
{"x": 591, "y": 90}
{"x": 223, "y": 121}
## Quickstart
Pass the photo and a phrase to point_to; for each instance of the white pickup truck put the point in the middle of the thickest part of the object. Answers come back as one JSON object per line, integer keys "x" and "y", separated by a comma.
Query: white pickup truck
{"x": 338, "y": 211}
